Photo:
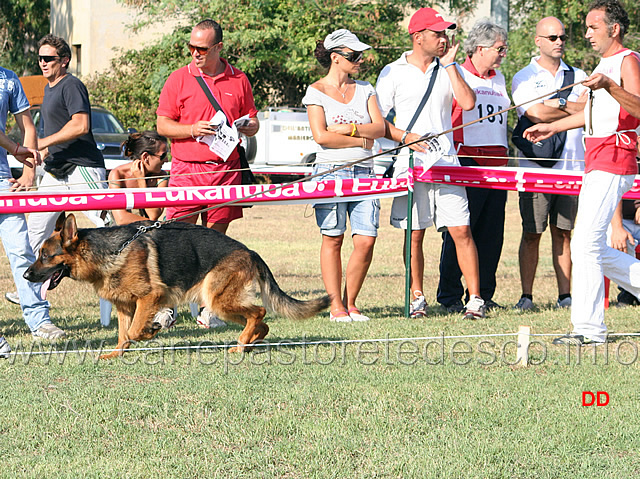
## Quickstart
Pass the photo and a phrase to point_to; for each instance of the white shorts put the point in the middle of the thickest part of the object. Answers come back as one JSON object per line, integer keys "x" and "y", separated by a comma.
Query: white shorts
{"x": 444, "y": 205}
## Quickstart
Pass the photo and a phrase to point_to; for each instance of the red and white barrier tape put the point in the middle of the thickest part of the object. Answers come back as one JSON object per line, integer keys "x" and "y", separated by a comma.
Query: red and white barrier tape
{"x": 505, "y": 178}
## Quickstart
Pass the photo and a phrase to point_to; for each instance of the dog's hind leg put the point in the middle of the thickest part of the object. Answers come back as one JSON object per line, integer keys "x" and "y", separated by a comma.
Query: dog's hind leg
{"x": 254, "y": 330}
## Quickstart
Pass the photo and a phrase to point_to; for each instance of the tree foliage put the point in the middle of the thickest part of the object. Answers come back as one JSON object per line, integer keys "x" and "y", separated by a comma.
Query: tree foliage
{"x": 524, "y": 14}
{"x": 272, "y": 41}
{"x": 22, "y": 24}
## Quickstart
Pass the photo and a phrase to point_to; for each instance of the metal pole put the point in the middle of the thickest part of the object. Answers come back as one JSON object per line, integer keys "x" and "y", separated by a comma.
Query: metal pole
{"x": 407, "y": 240}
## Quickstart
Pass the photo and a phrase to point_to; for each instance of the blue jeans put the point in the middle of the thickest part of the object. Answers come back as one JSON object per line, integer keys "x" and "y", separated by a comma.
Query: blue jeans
{"x": 13, "y": 230}
{"x": 364, "y": 215}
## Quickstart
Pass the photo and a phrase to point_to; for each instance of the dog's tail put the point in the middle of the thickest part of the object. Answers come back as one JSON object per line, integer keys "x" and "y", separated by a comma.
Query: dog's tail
{"x": 277, "y": 301}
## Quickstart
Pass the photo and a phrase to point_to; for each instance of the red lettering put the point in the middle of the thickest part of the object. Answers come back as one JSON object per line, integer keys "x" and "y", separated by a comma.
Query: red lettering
{"x": 600, "y": 395}
{"x": 584, "y": 397}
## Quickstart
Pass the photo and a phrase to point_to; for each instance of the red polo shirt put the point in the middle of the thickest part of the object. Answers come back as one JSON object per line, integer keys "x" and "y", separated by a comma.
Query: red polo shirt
{"x": 183, "y": 100}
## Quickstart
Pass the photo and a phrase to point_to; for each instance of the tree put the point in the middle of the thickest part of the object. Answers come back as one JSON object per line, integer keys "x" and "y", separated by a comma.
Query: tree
{"x": 526, "y": 13}
{"x": 272, "y": 41}
{"x": 22, "y": 24}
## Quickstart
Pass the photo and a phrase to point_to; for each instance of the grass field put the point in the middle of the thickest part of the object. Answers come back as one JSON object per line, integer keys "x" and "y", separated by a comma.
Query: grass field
{"x": 399, "y": 409}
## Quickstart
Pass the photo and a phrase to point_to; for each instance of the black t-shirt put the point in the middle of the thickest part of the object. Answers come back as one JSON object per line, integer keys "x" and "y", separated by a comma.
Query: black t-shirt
{"x": 68, "y": 97}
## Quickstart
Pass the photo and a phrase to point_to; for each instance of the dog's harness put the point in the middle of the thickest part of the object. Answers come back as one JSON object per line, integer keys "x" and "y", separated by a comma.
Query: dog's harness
{"x": 141, "y": 230}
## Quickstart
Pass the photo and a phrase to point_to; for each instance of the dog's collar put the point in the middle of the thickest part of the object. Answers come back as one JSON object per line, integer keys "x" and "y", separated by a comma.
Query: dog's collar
{"x": 141, "y": 230}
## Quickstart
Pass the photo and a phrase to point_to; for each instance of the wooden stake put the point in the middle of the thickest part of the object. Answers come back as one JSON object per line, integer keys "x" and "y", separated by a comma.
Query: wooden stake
{"x": 522, "y": 352}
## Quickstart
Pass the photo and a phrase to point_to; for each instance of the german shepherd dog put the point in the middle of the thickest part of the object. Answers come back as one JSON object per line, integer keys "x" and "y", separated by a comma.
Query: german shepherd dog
{"x": 165, "y": 266}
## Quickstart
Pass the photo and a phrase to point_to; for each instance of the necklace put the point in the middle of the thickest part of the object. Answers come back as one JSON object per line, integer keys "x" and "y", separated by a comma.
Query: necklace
{"x": 346, "y": 87}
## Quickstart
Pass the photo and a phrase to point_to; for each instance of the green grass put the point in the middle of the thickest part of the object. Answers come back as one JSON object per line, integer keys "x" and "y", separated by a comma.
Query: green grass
{"x": 333, "y": 410}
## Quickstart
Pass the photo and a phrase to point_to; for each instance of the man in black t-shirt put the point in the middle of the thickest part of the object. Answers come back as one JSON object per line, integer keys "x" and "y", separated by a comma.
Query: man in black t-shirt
{"x": 71, "y": 158}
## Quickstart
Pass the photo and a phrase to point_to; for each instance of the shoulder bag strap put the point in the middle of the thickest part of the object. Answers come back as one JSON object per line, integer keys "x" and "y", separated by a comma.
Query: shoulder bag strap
{"x": 426, "y": 96}
{"x": 569, "y": 77}
{"x": 212, "y": 99}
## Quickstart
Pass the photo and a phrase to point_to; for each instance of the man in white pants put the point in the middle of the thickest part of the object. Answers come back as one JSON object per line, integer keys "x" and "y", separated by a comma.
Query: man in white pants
{"x": 610, "y": 119}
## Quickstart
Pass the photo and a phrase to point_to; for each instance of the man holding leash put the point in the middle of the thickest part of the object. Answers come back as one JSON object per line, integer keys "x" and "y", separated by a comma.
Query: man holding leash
{"x": 184, "y": 115}
{"x": 190, "y": 98}
{"x": 13, "y": 227}
{"x": 402, "y": 85}
{"x": 610, "y": 118}
{"x": 547, "y": 72}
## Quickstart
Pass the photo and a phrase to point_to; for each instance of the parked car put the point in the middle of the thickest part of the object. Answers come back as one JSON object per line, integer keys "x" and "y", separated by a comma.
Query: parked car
{"x": 107, "y": 131}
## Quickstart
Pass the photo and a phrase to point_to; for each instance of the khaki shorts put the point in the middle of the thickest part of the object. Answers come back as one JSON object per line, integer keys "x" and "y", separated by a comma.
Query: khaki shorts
{"x": 537, "y": 210}
{"x": 444, "y": 205}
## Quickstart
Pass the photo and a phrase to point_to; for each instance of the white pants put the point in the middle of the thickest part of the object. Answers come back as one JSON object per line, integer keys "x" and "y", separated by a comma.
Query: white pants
{"x": 593, "y": 258}
{"x": 41, "y": 225}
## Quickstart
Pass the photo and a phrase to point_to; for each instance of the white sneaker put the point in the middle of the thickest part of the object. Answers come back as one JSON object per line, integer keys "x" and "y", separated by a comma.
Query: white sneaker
{"x": 356, "y": 315}
{"x": 12, "y": 297}
{"x": 5, "y": 349}
{"x": 475, "y": 308}
{"x": 524, "y": 304}
{"x": 565, "y": 303}
{"x": 49, "y": 331}
{"x": 418, "y": 308}
{"x": 166, "y": 318}
{"x": 207, "y": 319}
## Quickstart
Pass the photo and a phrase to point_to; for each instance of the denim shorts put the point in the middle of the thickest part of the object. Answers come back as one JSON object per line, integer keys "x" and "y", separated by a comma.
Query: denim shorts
{"x": 364, "y": 216}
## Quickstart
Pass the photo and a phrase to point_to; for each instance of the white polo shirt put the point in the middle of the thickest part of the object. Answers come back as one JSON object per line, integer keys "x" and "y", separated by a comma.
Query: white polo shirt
{"x": 534, "y": 81}
{"x": 402, "y": 85}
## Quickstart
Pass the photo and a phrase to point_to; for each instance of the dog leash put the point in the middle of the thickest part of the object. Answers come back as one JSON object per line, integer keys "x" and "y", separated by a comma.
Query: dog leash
{"x": 142, "y": 229}
{"x": 426, "y": 138}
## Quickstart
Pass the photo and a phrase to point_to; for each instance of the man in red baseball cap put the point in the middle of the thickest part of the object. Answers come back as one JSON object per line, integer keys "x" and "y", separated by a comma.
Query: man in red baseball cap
{"x": 402, "y": 85}
{"x": 429, "y": 19}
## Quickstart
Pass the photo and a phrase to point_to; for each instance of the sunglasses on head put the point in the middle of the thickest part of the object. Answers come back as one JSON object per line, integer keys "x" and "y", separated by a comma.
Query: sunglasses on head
{"x": 553, "y": 38}
{"x": 200, "y": 50}
{"x": 47, "y": 58}
{"x": 353, "y": 57}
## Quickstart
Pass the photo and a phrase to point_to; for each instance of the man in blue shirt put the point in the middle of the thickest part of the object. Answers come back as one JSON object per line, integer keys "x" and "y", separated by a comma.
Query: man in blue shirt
{"x": 13, "y": 227}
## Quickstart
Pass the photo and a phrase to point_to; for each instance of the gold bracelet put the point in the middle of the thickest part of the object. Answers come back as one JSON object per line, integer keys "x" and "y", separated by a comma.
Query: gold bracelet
{"x": 364, "y": 143}
{"x": 353, "y": 129}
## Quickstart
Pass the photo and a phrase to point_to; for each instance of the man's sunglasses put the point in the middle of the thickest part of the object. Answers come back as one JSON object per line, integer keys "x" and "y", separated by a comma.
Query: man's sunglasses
{"x": 200, "y": 50}
{"x": 553, "y": 38}
{"x": 47, "y": 58}
{"x": 502, "y": 49}
{"x": 353, "y": 57}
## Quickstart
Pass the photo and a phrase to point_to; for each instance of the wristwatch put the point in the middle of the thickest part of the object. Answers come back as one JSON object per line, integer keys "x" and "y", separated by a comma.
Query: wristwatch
{"x": 562, "y": 103}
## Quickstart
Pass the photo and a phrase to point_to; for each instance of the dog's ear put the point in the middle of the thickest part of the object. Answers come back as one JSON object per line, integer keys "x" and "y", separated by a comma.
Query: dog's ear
{"x": 60, "y": 222}
{"x": 69, "y": 231}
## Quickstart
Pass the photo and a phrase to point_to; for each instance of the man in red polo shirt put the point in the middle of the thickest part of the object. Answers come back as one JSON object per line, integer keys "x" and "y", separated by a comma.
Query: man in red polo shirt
{"x": 184, "y": 113}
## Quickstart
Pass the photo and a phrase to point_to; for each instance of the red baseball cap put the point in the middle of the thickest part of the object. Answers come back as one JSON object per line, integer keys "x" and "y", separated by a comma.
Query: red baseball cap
{"x": 428, "y": 18}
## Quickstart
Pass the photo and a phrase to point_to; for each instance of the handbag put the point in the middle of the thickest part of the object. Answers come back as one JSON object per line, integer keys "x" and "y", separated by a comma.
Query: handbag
{"x": 390, "y": 169}
{"x": 543, "y": 151}
{"x": 248, "y": 178}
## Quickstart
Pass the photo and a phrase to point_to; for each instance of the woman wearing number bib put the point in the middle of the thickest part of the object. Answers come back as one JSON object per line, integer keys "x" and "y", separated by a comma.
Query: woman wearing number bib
{"x": 482, "y": 144}
{"x": 344, "y": 119}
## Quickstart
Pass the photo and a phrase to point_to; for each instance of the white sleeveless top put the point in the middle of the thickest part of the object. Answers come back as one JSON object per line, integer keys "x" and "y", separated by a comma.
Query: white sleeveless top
{"x": 491, "y": 96}
{"x": 608, "y": 116}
